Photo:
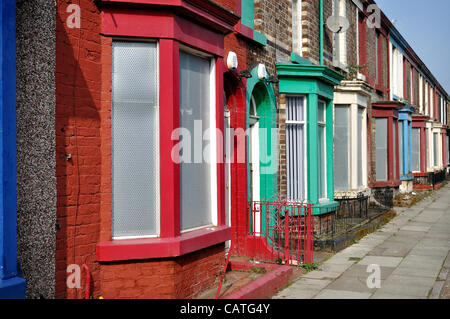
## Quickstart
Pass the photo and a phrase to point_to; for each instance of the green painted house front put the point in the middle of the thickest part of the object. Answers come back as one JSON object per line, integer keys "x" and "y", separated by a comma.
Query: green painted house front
{"x": 313, "y": 86}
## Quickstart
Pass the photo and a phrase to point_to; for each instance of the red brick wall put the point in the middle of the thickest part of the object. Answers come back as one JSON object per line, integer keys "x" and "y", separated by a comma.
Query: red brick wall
{"x": 83, "y": 130}
{"x": 236, "y": 98}
{"x": 227, "y": 4}
{"x": 182, "y": 277}
{"x": 78, "y": 104}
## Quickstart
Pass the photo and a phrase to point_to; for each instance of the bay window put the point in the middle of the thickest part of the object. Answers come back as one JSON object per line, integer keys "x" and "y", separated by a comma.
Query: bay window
{"x": 135, "y": 141}
{"x": 386, "y": 116}
{"x": 295, "y": 148}
{"x": 165, "y": 81}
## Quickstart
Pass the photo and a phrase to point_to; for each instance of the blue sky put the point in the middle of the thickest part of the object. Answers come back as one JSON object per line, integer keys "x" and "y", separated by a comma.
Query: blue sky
{"x": 426, "y": 27}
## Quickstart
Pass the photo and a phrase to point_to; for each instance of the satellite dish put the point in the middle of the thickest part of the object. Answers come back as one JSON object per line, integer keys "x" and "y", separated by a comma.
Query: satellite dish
{"x": 338, "y": 24}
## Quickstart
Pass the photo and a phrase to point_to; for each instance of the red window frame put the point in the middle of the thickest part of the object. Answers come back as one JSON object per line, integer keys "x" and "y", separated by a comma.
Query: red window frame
{"x": 389, "y": 110}
{"x": 202, "y": 31}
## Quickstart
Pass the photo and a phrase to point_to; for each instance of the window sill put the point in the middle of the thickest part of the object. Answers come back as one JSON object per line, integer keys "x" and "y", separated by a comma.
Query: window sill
{"x": 148, "y": 248}
{"x": 394, "y": 183}
{"x": 325, "y": 206}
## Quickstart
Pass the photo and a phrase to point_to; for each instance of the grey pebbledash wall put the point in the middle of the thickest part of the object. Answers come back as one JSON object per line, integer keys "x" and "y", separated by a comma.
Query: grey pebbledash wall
{"x": 36, "y": 176}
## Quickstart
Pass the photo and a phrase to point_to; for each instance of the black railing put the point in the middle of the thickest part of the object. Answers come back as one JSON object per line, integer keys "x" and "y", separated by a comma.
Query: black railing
{"x": 351, "y": 212}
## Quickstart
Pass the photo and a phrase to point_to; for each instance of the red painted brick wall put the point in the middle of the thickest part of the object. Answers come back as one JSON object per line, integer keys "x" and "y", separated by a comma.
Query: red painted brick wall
{"x": 183, "y": 277}
{"x": 83, "y": 130}
{"x": 227, "y": 4}
{"x": 78, "y": 105}
{"x": 236, "y": 95}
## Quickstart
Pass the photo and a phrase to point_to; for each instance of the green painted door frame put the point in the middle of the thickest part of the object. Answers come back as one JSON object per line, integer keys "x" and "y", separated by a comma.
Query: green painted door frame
{"x": 316, "y": 83}
{"x": 266, "y": 107}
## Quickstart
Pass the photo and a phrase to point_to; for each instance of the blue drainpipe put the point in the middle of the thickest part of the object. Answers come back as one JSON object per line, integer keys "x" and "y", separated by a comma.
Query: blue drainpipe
{"x": 11, "y": 285}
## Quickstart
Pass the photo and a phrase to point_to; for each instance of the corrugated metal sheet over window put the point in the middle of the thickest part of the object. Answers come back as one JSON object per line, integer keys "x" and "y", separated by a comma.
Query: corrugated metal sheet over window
{"x": 341, "y": 147}
{"x": 381, "y": 148}
{"x": 415, "y": 149}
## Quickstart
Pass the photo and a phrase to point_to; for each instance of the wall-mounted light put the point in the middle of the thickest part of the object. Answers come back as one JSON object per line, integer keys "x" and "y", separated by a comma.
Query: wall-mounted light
{"x": 232, "y": 61}
{"x": 262, "y": 71}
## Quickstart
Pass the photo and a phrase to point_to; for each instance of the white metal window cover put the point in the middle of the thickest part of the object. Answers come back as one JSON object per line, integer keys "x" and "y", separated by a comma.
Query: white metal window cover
{"x": 381, "y": 125}
{"x": 400, "y": 146}
{"x": 415, "y": 138}
{"x": 196, "y": 185}
{"x": 448, "y": 149}
{"x": 341, "y": 146}
{"x": 360, "y": 146}
{"x": 135, "y": 140}
{"x": 295, "y": 148}
{"x": 435, "y": 147}
{"x": 394, "y": 147}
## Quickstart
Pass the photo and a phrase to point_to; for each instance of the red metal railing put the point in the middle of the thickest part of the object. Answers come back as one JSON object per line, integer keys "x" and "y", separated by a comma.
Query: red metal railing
{"x": 277, "y": 231}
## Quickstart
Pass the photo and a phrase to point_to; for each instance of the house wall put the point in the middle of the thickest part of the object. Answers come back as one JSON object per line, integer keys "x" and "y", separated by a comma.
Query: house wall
{"x": 36, "y": 157}
{"x": 83, "y": 166}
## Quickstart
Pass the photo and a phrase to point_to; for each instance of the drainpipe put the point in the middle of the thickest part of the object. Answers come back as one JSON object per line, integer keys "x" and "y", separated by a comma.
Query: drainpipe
{"x": 321, "y": 31}
{"x": 87, "y": 283}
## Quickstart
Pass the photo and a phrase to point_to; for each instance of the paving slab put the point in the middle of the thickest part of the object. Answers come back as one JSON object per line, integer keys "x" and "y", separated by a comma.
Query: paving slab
{"x": 416, "y": 228}
{"x": 293, "y": 293}
{"x": 342, "y": 294}
{"x": 307, "y": 283}
{"x": 350, "y": 283}
{"x": 386, "y": 295}
{"x": 407, "y": 285}
{"x": 417, "y": 271}
{"x": 360, "y": 271}
{"x": 381, "y": 261}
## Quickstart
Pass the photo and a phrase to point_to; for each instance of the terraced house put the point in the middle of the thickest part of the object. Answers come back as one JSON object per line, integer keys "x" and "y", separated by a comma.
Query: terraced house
{"x": 155, "y": 137}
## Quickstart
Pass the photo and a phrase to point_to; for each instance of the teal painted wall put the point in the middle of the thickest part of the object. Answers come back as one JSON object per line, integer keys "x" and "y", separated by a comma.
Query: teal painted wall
{"x": 248, "y": 13}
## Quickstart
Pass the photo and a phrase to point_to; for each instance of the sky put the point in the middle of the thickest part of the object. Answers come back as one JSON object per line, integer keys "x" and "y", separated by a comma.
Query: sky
{"x": 426, "y": 27}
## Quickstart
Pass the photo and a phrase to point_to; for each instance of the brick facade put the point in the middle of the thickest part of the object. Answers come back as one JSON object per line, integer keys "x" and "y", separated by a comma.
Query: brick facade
{"x": 82, "y": 154}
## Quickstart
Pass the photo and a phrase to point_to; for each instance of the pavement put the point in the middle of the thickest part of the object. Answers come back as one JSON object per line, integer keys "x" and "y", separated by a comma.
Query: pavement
{"x": 408, "y": 258}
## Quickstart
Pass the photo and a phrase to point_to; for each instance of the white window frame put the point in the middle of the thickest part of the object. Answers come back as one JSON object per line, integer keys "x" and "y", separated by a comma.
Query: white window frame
{"x": 305, "y": 133}
{"x": 213, "y": 136}
{"x": 158, "y": 152}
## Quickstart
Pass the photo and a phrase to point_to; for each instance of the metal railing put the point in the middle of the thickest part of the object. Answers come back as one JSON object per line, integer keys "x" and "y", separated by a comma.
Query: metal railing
{"x": 278, "y": 232}
{"x": 351, "y": 212}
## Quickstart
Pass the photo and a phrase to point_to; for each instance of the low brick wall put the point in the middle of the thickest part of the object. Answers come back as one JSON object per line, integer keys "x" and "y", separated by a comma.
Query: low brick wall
{"x": 181, "y": 277}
